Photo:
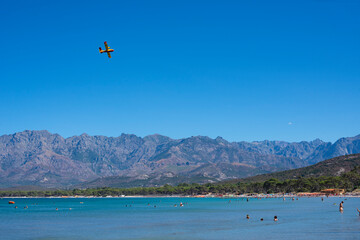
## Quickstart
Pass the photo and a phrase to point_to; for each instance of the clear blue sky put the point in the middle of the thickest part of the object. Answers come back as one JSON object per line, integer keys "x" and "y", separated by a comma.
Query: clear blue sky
{"x": 243, "y": 70}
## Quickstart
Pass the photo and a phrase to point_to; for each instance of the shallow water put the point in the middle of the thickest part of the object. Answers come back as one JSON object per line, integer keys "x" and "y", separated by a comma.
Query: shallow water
{"x": 205, "y": 218}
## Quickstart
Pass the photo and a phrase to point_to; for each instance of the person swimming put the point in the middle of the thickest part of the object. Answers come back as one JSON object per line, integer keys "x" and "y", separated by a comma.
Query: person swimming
{"x": 261, "y": 219}
{"x": 358, "y": 211}
{"x": 275, "y": 218}
{"x": 247, "y": 216}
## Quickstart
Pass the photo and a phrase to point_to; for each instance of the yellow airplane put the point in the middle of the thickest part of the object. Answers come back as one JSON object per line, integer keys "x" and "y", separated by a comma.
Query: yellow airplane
{"x": 107, "y": 50}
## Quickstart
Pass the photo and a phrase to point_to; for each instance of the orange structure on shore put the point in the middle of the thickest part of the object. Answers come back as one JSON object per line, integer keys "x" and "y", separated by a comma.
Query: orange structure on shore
{"x": 333, "y": 191}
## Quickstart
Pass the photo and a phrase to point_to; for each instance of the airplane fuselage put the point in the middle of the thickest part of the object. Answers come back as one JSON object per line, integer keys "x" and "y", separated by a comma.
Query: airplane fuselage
{"x": 109, "y": 50}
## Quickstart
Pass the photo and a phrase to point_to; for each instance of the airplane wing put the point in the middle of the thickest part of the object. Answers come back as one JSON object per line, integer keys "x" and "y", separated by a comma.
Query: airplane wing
{"x": 109, "y": 55}
{"x": 106, "y": 46}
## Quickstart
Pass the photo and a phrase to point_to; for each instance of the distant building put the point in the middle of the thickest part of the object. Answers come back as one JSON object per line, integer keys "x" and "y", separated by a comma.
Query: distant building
{"x": 333, "y": 191}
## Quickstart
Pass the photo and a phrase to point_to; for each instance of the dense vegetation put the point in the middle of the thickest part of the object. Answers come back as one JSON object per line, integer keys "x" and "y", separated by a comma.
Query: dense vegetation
{"x": 348, "y": 181}
{"x": 330, "y": 167}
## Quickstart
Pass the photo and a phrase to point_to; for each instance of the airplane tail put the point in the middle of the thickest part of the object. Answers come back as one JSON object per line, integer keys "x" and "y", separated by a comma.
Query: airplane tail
{"x": 100, "y": 50}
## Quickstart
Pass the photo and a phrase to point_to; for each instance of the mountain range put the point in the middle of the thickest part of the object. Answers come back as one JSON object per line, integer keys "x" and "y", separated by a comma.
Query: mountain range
{"x": 44, "y": 159}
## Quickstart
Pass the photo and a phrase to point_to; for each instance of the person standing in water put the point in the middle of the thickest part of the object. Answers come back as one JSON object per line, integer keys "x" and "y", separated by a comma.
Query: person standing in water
{"x": 341, "y": 206}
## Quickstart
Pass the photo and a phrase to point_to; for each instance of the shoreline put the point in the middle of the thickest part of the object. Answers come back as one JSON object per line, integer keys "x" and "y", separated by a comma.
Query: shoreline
{"x": 260, "y": 196}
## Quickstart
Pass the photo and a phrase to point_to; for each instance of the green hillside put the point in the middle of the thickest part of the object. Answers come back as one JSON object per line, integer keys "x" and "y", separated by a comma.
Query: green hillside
{"x": 331, "y": 167}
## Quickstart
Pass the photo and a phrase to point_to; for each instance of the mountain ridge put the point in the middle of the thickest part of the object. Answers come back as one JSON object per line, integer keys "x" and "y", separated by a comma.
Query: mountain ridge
{"x": 49, "y": 160}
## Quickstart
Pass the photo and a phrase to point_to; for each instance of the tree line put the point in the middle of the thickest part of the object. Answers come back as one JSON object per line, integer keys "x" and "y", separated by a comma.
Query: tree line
{"x": 348, "y": 181}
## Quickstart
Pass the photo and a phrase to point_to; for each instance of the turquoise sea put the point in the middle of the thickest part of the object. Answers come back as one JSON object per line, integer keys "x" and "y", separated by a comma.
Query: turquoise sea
{"x": 199, "y": 218}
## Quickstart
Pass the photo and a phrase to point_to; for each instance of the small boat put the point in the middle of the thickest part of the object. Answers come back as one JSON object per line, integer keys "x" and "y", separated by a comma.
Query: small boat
{"x": 11, "y": 202}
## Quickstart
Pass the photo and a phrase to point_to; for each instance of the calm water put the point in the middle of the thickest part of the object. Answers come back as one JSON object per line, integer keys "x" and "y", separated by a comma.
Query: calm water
{"x": 110, "y": 218}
